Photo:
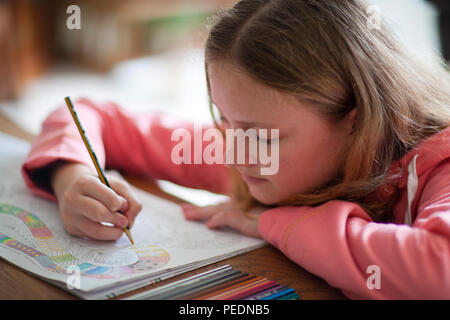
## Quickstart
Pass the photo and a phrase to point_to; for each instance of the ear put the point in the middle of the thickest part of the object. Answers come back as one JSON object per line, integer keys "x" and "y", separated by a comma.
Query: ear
{"x": 351, "y": 119}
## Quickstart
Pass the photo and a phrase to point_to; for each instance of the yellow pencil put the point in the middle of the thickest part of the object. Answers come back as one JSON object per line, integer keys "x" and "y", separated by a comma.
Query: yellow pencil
{"x": 101, "y": 175}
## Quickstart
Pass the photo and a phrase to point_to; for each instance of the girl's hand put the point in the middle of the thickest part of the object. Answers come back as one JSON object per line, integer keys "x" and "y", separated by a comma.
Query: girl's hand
{"x": 84, "y": 202}
{"x": 226, "y": 214}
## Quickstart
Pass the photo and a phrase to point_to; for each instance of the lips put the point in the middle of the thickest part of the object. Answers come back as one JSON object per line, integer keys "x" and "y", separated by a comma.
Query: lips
{"x": 251, "y": 180}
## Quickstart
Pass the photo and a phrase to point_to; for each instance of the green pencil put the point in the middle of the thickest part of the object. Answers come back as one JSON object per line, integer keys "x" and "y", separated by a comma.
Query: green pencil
{"x": 100, "y": 173}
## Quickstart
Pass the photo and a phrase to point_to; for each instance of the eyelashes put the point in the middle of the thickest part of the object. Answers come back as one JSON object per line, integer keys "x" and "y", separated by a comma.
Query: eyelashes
{"x": 223, "y": 120}
{"x": 266, "y": 141}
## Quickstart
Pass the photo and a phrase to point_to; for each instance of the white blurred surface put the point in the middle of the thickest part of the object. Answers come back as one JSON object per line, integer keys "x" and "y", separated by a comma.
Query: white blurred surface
{"x": 194, "y": 196}
{"x": 414, "y": 22}
{"x": 174, "y": 83}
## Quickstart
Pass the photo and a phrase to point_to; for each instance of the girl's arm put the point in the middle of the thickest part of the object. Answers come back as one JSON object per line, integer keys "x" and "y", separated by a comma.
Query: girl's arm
{"x": 136, "y": 143}
{"x": 338, "y": 242}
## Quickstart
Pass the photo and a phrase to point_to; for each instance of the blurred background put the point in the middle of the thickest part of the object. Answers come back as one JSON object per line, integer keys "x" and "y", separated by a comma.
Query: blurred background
{"x": 142, "y": 54}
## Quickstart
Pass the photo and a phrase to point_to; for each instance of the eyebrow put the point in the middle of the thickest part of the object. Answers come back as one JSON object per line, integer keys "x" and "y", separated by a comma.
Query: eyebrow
{"x": 246, "y": 123}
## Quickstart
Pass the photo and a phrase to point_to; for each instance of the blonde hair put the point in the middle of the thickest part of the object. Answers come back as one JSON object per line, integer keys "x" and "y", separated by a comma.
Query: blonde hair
{"x": 324, "y": 53}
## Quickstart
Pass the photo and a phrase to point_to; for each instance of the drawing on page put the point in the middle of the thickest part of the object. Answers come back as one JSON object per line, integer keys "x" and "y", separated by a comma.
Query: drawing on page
{"x": 52, "y": 256}
{"x": 167, "y": 227}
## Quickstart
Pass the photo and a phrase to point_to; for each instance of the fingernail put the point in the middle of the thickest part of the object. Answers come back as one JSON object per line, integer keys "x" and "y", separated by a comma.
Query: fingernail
{"x": 123, "y": 222}
{"x": 124, "y": 205}
{"x": 187, "y": 206}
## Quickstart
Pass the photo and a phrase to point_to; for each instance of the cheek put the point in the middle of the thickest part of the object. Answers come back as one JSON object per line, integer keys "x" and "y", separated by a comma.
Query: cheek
{"x": 294, "y": 172}
{"x": 302, "y": 168}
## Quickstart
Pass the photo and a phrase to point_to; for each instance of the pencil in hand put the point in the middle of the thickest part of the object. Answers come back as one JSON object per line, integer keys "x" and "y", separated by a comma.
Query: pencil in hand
{"x": 97, "y": 166}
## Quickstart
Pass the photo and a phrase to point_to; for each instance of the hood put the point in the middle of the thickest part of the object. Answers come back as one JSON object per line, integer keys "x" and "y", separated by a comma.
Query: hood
{"x": 426, "y": 156}
{"x": 413, "y": 170}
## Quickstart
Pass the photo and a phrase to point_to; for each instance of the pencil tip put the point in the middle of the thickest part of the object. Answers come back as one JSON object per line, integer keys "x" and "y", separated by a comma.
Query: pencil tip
{"x": 128, "y": 233}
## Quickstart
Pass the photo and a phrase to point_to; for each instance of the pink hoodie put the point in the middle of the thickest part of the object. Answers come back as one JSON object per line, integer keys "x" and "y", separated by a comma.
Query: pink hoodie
{"x": 337, "y": 241}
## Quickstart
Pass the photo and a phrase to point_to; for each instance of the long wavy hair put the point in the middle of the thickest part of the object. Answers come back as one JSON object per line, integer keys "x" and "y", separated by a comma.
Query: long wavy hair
{"x": 325, "y": 53}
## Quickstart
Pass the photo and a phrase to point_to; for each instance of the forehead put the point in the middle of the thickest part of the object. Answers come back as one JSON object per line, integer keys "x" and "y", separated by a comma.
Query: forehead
{"x": 241, "y": 98}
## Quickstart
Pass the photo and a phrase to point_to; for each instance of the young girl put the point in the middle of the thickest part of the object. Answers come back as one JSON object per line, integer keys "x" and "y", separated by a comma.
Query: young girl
{"x": 363, "y": 183}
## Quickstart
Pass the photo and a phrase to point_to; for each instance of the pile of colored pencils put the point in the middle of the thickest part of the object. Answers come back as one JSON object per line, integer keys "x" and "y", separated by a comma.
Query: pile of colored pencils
{"x": 223, "y": 283}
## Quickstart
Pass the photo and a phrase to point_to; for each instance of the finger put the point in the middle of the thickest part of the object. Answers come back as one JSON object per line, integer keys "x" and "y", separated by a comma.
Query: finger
{"x": 76, "y": 205}
{"x": 223, "y": 219}
{"x": 235, "y": 220}
{"x": 96, "y": 230}
{"x": 133, "y": 206}
{"x": 94, "y": 188}
{"x": 74, "y": 231}
{"x": 192, "y": 212}
{"x": 97, "y": 212}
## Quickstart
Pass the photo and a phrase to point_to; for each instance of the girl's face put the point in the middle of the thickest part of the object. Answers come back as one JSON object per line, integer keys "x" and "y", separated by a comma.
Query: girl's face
{"x": 310, "y": 146}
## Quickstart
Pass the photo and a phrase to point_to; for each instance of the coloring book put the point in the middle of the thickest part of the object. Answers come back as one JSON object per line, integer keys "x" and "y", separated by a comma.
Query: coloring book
{"x": 33, "y": 238}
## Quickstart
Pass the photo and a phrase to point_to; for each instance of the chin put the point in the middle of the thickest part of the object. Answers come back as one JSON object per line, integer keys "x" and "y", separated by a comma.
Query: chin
{"x": 266, "y": 198}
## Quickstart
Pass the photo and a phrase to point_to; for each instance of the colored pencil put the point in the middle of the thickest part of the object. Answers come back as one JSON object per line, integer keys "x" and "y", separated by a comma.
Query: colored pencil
{"x": 223, "y": 283}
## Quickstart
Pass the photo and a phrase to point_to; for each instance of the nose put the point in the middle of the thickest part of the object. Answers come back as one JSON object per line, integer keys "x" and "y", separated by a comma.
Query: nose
{"x": 235, "y": 158}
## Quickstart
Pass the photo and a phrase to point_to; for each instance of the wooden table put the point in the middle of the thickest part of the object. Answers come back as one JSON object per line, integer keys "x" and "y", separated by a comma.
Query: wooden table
{"x": 266, "y": 261}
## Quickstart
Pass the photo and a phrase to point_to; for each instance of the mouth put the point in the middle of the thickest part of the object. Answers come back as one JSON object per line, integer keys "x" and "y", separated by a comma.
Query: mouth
{"x": 252, "y": 180}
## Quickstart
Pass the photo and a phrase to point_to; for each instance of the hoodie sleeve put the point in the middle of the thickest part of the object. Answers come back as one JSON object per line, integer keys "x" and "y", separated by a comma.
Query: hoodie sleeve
{"x": 340, "y": 243}
{"x": 140, "y": 144}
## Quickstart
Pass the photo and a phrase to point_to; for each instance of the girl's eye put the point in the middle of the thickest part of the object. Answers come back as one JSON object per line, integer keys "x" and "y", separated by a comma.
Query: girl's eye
{"x": 266, "y": 141}
{"x": 222, "y": 119}
{"x": 270, "y": 140}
